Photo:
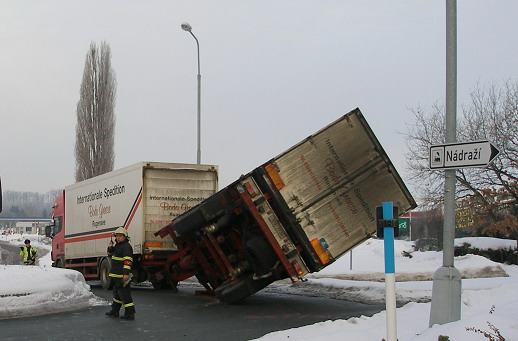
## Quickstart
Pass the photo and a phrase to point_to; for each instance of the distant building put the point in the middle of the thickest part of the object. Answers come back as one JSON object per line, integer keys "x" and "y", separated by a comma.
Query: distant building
{"x": 30, "y": 227}
{"x": 24, "y": 225}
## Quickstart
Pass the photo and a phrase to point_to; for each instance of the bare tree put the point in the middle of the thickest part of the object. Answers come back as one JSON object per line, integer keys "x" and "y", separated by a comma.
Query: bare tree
{"x": 95, "y": 115}
{"x": 492, "y": 114}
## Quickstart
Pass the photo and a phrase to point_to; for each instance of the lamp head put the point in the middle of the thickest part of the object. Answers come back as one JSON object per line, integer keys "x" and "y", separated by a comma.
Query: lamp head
{"x": 186, "y": 27}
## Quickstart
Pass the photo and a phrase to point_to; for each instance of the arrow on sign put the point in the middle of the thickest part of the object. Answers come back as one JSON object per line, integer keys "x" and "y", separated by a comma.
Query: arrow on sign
{"x": 462, "y": 155}
{"x": 494, "y": 152}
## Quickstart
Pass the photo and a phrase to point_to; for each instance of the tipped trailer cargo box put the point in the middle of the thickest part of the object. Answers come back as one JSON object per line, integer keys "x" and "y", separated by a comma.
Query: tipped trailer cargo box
{"x": 141, "y": 198}
{"x": 291, "y": 216}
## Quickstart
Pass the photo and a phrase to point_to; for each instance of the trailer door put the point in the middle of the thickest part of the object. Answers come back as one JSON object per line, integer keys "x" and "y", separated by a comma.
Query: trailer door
{"x": 334, "y": 180}
{"x": 169, "y": 191}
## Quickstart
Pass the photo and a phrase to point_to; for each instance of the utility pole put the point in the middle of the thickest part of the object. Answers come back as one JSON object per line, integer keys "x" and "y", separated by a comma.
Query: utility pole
{"x": 446, "y": 292}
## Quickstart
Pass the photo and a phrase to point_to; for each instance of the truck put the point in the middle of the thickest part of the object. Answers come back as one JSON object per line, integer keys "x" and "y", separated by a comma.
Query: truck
{"x": 291, "y": 216}
{"x": 142, "y": 198}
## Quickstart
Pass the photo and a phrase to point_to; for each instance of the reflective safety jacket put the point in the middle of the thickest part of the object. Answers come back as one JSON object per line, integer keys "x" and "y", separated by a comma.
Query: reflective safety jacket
{"x": 28, "y": 254}
{"x": 122, "y": 259}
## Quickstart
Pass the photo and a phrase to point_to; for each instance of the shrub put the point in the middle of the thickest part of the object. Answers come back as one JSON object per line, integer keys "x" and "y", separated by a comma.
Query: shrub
{"x": 508, "y": 256}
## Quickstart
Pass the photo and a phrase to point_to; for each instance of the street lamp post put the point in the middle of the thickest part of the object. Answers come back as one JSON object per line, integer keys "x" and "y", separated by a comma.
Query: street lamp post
{"x": 188, "y": 28}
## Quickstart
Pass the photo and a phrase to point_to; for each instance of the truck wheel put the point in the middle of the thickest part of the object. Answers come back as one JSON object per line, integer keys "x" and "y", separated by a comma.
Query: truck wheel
{"x": 59, "y": 263}
{"x": 104, "y": 270}
{"x": 236, "y": 292}
{"x": 164, "y": 284}
{"x": 159, "y": 280}
{"x": 233, "y": 293}
{"x": 157, "y": 285}
{"x": 161, "y": 285}
{"x": 202, "y": 279}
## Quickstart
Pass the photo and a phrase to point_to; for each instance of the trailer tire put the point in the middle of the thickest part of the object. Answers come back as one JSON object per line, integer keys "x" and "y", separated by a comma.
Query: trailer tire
{"x": 159, "y": 285}
{"x": 202, "y": 279}
{"x": 104, "y": 270}
{"x": 165, "y": 284}
{"x": 236, "y": 292}
{"x": 156, "y": 285}
{"x": 60, "y": 263}
{"x": 233, "y": 293}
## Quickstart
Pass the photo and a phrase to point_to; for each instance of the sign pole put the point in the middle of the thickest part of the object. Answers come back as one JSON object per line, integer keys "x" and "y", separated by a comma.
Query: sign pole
{"x": 410, "y": 226}
{"x": 390, "y": 278}
{"x": 446, "y": 291}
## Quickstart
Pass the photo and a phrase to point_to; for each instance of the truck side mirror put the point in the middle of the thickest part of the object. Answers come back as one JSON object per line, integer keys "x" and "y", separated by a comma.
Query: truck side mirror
{"x": 48, "y": 231}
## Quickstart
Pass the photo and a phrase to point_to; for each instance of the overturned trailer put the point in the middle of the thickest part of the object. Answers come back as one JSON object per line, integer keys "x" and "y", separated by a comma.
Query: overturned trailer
{"x": 293, "y": 215}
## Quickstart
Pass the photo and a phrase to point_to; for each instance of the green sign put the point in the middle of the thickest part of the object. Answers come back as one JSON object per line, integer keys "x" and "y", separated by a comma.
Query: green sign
{"x": 404, "y": 226}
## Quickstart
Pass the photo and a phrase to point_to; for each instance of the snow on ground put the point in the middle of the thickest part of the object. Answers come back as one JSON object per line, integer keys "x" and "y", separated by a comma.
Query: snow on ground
{"x": 368, "y": 263}
{"x": 484, "y": 300}
{"x": 40, "y": 289}
{"x": 486, "y": 243}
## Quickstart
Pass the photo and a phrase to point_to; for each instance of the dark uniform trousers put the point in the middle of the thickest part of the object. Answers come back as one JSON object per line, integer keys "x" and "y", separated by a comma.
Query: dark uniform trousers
{"x": 122, "y": 296}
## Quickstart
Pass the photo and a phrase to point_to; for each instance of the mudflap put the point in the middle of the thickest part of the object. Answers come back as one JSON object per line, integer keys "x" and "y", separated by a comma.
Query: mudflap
{"x": 238, "y": 290}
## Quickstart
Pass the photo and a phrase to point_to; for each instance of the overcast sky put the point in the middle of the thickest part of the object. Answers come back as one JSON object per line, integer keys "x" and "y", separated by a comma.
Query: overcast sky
{"x": 273, "y": 72}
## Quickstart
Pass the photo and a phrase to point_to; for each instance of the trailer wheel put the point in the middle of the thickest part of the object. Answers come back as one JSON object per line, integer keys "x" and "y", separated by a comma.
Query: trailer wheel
{"x": 104, "y": 270}
{"x": 233, "y": 293}
{"x": 59, "y": 263}
{"x": 236, "y": 292}
{"x": 202, "y": 279}
{"x": 158, "y": 285}
{"x": 162, "y": 284}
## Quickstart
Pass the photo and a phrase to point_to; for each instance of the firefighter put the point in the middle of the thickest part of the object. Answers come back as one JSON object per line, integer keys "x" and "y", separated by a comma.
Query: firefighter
{"x": 121, "y": 264}
{"x": 28, "y": 254}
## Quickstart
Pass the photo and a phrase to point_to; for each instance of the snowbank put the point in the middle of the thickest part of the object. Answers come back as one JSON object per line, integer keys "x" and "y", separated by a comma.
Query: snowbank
{"x": 368, "y": 264}
{"x": 486, "y": 243}
{"x": 37, "y": 290}
{"x": 41, "y": 289}
{"x": 484, "y": 300}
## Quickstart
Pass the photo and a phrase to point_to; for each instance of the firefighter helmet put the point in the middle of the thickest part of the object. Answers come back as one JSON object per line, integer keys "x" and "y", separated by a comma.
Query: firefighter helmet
{"x": 27, "y": 241}
{"x": 121, "y": 230}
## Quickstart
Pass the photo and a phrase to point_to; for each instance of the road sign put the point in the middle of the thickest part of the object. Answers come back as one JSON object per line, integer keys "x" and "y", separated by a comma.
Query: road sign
{"x": 404, "y": 224}
{"x": 462, "y": 155}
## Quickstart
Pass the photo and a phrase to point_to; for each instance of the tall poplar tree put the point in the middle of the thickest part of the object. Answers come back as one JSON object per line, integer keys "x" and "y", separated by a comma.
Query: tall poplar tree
{"x": 94, "y": 147}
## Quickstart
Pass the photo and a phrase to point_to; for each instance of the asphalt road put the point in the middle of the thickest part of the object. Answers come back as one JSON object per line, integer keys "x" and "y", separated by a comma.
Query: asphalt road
{"x": 163, "y": 315}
